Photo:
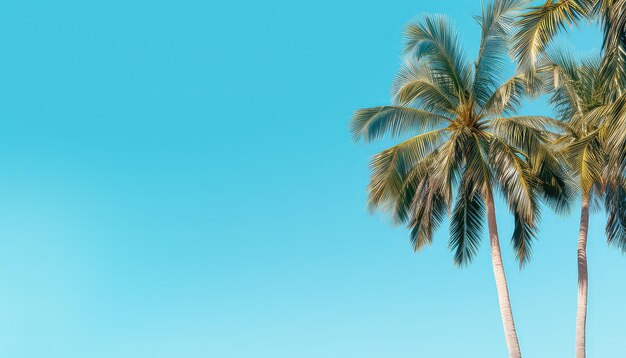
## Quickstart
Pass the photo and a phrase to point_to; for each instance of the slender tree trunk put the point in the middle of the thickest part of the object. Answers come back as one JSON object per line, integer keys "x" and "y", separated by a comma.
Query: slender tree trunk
{"x": 581, "y": 312}
{"x": 498, "y": 271}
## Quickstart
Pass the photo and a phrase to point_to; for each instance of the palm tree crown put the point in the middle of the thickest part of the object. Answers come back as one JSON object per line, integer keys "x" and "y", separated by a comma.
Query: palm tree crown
{"x": 583, "y": 105}
{"x": 468, "y": 140}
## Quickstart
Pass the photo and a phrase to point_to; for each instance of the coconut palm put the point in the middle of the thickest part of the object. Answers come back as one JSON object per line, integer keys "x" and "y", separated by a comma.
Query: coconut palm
{"x": 464, "y": 146}
{"x": 591, "y": 96}
{"x": 581, "y": 101}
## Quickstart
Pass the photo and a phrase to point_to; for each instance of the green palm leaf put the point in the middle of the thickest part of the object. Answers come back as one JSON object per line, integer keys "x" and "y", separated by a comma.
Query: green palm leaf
{"x": 434, "y": 40}
{"x": 466, "y": 224}
{"x": 496, "y": 20}
{"x": 430, "y": 210}
{"x": 515, "y": 178}
{"x": 373, "y": 123}
{"x": 615, "y": 206}
{"x": 524, "y": 234}
{"x": 507, "y": 98}
{"x": 390, "y": 167}
{"x": 416, "y": 85}
{"x": 540, "y": 24}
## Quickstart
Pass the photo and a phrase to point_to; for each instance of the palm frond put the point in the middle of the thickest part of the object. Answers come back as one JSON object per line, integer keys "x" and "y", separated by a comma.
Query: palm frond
{"x": 466, "y": 223}
{"x": 496, "y": 21}
{"x": 435, "y": 40}
{"x": 373, "y": 123}
{"x": 555, "y": 184}
{"x": 539, "y": 25}
{"x": 430, "y": 210}
{"x": 616, "y": 137}
{"x": 614, "y": 44}
{"x": 447, "y": 165}
{"x": 532, "y": 136}
{"x": 507, "y": 98}
{"x": 615, "y": 206}
{"x": 390, "y": 167}
{"x": 417, "y": 86}
{"x": 586, "y": 160}
{"x": 528, "y": 133}
{"x": 477, "y": 170}
{"x": 515, "y": 179}
{"x": 524, "y": 233}
{"x": 560, "y": 70}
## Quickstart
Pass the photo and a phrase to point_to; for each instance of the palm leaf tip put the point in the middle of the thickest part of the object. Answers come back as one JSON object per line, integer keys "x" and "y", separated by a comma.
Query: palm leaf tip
{"x": 615, "y": 205}
{"x": 524, "y": 234}
{"x": 430, "y": 210}
{"x": 466, "y": 226}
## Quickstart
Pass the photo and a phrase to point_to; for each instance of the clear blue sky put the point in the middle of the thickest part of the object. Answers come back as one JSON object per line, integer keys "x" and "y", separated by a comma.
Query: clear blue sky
{"x": 177, "y": 180}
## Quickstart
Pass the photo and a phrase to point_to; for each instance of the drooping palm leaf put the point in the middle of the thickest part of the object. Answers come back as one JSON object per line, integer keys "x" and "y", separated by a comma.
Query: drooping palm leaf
{"x": 430, "y": 210}
{"x": 390, "y": 167}
{"x": 524, "y": 233}
{"x": 615, "y": 206}
{"x": 466, "y": 224}
{"x": 540, "y": 24}
{"x": 515, "y": 178}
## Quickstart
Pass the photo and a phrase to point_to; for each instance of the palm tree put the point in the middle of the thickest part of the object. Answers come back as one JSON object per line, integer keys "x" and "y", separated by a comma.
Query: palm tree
{"x": 581, "y": 101}
{"x": 463, "y": 139}
{"x": 591, "y": 98}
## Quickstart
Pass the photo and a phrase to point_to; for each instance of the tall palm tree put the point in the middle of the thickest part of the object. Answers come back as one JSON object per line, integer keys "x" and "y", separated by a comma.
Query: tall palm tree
{"x": 463, "y": 139}
{"x": 594, "y": 94}
{"x": 581, "y": 101}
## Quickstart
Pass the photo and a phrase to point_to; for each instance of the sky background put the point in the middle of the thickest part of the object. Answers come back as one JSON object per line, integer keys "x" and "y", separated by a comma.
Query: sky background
{"x": 177, "y": 180}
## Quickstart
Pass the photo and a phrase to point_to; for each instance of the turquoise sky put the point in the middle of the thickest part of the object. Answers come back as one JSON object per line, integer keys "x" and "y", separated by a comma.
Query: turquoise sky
{"x": 177, "y": 180}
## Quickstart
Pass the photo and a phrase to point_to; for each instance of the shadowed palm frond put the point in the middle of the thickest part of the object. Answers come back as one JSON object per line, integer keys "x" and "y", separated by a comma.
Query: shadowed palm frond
{"x": 615, "y": 206}
{"x": 466, "y": 224}
{"x": 616, "y": 137}
{"x": 446, "y": 167}
{"x": 524, "y": 234}
{"x": 524, "y": 132}
{"x": 417, "y": 177}
{"x": 390, "y": 167}
{"x": 515, "y": 178}
{"x": 430, "y": 210}
{"x": 613, "y": 15}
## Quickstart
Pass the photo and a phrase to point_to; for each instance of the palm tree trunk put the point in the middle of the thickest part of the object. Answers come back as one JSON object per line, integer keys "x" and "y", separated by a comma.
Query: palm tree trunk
{"x": 498, "y": 271}
{"x": 581, "y": 312}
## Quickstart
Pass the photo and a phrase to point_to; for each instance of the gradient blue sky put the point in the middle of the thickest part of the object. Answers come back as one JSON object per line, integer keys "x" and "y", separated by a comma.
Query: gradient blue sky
{"x": 177, "y": 180}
